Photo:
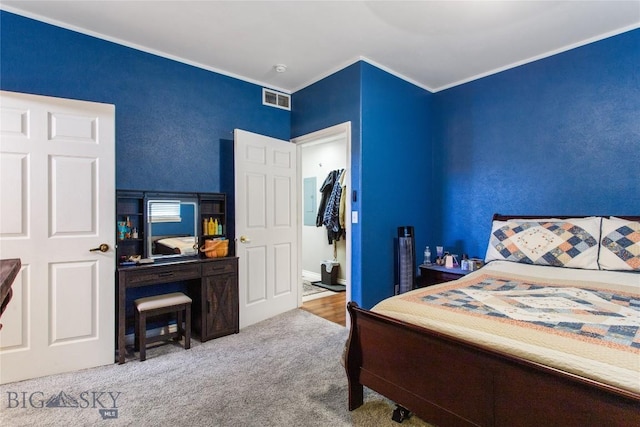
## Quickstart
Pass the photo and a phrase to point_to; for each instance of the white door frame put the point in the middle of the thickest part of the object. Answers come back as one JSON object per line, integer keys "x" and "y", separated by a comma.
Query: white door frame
{"x": 318, "y": 137}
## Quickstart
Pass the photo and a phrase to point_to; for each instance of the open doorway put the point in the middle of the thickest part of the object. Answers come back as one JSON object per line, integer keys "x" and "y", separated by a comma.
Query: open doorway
{"x": 319, "y": 154}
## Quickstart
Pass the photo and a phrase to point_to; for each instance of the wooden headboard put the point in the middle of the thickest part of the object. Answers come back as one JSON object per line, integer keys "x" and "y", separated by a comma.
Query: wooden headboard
{"x": 500, "y": 217}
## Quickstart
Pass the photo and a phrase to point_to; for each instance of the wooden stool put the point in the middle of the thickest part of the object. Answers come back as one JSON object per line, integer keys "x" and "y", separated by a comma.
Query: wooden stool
{"x": 176, "y": 302}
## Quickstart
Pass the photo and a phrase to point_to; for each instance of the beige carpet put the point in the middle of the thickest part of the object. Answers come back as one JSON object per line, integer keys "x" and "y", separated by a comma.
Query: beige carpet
{"x": 377, "y": 411}
{"x": 285, "y": 371}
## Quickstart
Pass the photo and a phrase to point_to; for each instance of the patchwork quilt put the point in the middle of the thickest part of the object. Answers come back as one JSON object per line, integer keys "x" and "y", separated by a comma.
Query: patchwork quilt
{"x": 607, "y": 318}
{"x": 587, "y": 327}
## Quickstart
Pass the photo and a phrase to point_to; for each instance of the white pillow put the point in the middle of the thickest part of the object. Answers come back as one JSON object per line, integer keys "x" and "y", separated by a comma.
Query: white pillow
{"x": 569, "y": 242}
{"x": 620, "y": 244}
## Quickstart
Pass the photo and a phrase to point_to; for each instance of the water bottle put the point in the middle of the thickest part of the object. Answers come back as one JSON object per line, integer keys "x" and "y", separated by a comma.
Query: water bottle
{"x": 427, "y": 256}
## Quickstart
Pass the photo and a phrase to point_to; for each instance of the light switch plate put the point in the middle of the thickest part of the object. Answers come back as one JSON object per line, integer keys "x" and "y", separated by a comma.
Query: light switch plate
{"x": 354, "y": 217}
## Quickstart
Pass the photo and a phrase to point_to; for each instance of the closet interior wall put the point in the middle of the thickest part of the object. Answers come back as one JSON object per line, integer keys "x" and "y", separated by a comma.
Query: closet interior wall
{"x": 317, "y": 160}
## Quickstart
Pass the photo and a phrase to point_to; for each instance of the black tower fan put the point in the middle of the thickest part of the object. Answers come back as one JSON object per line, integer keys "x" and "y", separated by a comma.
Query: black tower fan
{"x": 405, "y": 260}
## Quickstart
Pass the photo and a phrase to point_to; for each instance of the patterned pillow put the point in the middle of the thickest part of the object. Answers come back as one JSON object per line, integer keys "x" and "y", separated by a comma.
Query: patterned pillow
{"x": 620, "y": 246}
{"x": 562, "y": 243}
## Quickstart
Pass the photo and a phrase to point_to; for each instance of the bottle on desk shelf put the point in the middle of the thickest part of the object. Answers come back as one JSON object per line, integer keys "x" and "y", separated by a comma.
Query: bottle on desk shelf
{"x": 427, "y": 256}
{"x": 128, "y": 229}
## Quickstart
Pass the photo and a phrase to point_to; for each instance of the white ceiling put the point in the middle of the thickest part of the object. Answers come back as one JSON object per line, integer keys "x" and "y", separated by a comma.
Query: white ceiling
{"x": 434, "y": 44}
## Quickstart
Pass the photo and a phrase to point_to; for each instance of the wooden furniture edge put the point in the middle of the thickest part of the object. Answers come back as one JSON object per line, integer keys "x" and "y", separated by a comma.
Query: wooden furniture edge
{"x": 501, "y": 217}
{"x": 543, "y": 393}
{"x": 9, "y": 269}
{"x": 474, "y": 385}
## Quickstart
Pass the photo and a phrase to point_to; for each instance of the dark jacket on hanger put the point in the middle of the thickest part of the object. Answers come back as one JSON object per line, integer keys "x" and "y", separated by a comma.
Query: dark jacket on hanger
{"x": 325, "y": 189}
{"x": 328, "y": 214}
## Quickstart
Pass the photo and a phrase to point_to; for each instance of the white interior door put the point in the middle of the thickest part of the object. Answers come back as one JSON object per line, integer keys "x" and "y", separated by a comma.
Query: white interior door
{"x": 57, "y": 183}
{"x": 266, "y": 225}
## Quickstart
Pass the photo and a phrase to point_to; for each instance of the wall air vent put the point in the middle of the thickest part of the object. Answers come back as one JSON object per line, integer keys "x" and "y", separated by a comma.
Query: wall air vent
{"x": 276, "y": 99}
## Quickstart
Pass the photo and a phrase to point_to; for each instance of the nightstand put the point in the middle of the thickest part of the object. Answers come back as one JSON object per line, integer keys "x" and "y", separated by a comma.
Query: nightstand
{"x": 433, "y": 274}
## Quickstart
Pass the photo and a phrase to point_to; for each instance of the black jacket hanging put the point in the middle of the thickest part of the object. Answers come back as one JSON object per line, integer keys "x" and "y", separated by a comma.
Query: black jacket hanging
{"x": 325, "y": 189}
{"x": 328, "y": 213}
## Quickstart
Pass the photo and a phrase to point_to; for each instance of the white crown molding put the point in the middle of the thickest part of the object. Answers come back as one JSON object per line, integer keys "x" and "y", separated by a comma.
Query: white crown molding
{"x": 395, "y": 73}
{"x": 325, "y": 74}
{"x": 137, "y": 47}
{"x": 538, "y": 57}
{"x": 474, "y": 77}
{"x": 352, "y": 61}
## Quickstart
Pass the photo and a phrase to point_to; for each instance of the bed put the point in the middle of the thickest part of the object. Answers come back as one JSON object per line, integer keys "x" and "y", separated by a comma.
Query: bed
{"x": 475, "y": 352}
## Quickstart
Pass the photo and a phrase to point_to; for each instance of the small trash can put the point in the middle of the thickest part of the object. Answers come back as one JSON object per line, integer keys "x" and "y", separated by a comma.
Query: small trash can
{"x": 329, "y": 271}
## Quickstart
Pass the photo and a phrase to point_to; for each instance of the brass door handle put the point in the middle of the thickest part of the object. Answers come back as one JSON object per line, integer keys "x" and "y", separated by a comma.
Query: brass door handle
{"x": 102, "y": 248}
{"x": 244, "y": 239}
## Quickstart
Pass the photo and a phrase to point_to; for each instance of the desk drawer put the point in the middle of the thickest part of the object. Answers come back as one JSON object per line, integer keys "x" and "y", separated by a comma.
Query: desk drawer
{"x": 221, "y": 266}
{"x": 163, "y": 274}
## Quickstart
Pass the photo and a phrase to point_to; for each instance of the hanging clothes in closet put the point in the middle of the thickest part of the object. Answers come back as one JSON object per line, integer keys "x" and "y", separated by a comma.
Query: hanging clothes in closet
{"x": 329, "y": 211}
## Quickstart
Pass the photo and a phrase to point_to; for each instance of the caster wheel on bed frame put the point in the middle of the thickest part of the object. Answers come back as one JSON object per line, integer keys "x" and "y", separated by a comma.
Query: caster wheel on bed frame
{"x": 400, "y": 414}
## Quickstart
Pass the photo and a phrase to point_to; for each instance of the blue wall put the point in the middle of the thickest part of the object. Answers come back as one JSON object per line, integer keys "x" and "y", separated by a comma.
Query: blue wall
{"x": 173, "y": 121}
{"x": 390, "y": 162}
{"x": 329, "y": 102}
{"x": 396, "y": 174}
{"x": 557, "y": 136}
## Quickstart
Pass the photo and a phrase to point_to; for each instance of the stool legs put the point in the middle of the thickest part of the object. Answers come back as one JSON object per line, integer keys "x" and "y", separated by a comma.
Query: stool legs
{"x": 140, "y": 333}
{"x": 136, "y": 331}
{"x": 187, "y": 332}
{"x": 180, "y": 328}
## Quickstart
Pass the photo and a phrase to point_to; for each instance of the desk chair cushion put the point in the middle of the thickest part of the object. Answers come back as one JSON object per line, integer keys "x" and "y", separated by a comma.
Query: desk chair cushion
{"x": 159, "y": 301}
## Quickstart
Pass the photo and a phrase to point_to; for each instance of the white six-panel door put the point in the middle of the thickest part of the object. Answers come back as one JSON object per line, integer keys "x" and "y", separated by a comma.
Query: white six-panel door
{"x": 266, "y": 225}
{"x": 57, "y": 183}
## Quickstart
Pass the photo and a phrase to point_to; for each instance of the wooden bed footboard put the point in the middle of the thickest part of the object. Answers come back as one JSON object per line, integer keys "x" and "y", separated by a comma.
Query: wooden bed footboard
{"x": 450, "y": 382}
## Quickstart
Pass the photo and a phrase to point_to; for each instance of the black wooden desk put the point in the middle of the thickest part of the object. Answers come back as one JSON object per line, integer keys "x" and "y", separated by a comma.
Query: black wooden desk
{"x": 212, "y": 284}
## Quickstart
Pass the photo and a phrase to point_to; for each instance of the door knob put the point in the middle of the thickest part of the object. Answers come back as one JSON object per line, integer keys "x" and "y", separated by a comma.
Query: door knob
{"x": 102, "y": 248}
{"x": 244, "y": 239}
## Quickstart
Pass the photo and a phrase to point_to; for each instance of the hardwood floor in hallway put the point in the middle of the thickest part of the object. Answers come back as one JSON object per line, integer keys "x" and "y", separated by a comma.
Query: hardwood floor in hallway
{"x": 332, "y": 308}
